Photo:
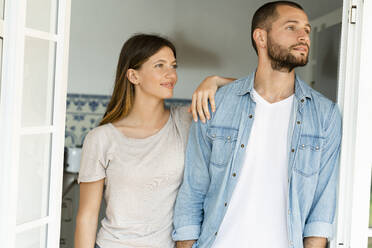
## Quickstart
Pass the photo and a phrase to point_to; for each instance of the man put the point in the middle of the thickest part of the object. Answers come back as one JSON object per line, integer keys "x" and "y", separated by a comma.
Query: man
{"x": 262, "y": 172}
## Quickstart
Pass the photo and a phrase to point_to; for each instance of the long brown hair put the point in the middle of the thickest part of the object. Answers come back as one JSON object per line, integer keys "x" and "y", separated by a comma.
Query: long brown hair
{"x": 136, "y": 51}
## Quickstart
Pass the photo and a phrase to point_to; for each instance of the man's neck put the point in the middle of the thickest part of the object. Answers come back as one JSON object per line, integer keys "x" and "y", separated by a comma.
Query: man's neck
{"x": 274, "y": 85}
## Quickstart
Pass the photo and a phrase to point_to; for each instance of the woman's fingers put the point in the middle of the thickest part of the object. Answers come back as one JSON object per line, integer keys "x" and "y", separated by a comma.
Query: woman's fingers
{"x": 199, "y": 107}
{"x": 212, "y": 102}
{"x": 193, "y": 107}
{"x": 205, "y": 105}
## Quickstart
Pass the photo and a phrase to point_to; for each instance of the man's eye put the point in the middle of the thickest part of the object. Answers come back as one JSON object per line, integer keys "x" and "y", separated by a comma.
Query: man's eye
{"x": 175, "y": 66}
{"x": 290, "y": 28}
{"x": 159, "y": 65}
{"x": 307, "y": 31}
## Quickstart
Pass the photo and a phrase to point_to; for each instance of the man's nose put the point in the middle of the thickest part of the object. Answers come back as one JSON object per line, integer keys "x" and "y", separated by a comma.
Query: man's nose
{"x": 304, "y": 37}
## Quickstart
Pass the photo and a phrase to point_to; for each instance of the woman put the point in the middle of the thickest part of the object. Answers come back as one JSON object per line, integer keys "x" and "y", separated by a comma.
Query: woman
{"x": 137, "y": 152}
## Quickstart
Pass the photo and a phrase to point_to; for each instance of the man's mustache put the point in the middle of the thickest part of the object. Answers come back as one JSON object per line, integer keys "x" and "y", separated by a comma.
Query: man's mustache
{"x": 300, "y": 44}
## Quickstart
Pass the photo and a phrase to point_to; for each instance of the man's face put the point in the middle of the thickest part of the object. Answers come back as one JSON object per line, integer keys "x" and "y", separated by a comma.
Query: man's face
{"x": 288, "y": 40}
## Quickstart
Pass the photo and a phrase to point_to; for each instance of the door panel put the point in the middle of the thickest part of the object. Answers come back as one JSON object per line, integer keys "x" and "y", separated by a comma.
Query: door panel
{"x": 33, "y": 238}
{"x": 38, "y": 84}
{"x": 42, "y": 15}
{"x": 33, "y": 177}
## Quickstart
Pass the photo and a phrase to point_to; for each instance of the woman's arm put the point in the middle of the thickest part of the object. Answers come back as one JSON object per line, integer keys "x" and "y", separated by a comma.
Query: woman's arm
{"x": 206, "y": 91}
{"x": 87, "y": 217}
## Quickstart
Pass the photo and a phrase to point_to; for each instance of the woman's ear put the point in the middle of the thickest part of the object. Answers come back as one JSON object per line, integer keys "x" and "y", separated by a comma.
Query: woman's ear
{"x": 133, "y": 76}
{"x": 260, "y": 37}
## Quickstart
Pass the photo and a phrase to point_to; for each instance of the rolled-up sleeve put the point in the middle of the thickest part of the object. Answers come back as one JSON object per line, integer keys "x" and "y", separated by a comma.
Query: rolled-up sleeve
{"x": 188, "y": 213}
{"x": 322, "y": 213}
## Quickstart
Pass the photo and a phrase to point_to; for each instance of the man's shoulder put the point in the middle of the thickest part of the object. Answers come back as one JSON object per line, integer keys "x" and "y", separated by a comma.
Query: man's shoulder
{"x": 232, "y": 89}
{"x": 325, "y": 108}
{"x": 316, "y": 97}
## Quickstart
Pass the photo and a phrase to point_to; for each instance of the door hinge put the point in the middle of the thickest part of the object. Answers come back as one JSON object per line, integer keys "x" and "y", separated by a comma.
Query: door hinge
{"x": 353, "y": 14}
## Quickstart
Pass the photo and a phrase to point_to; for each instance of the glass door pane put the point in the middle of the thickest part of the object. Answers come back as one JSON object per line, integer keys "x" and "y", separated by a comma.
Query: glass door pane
{"x": 38, "y": 87}
{"x": 42, "y": 15}
{"x": 34, "y": 238}
{"x": 33, "y": 177}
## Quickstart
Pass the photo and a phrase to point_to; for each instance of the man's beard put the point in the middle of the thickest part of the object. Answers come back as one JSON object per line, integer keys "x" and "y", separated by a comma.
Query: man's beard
{"x": 281, "y": 57}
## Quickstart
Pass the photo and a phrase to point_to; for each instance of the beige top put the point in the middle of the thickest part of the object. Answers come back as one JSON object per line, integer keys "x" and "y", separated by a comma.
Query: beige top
{"x": 142, "y": 177}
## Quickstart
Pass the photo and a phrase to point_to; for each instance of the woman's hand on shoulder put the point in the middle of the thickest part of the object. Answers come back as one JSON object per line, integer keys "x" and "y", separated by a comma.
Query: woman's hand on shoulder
{"x": 204, "y": 93}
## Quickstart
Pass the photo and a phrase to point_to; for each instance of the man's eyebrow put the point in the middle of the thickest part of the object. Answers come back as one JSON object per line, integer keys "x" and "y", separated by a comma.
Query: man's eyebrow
{"x": 294, "y": 21}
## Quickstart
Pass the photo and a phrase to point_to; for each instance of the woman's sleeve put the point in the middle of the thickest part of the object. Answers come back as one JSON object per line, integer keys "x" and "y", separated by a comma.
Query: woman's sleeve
{"x": 92, "y": 165}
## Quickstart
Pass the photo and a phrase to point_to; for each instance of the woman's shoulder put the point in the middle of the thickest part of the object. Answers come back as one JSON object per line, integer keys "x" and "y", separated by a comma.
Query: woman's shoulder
{"x": 181, "y": 114}
{"x": 99, "y": 133}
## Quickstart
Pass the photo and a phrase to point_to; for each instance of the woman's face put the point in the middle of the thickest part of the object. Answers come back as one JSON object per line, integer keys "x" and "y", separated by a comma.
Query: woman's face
{"x": 157, "y": 76}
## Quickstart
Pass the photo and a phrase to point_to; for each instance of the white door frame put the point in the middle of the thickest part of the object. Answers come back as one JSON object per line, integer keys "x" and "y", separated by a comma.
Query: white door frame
{"x": 354, "y": 98}
{"x": 10, "y": 120}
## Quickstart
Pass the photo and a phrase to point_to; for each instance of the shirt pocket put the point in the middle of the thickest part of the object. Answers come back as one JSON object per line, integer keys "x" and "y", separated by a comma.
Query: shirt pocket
{"x": 308, "y": 155}
{"x": 223, "y": 143}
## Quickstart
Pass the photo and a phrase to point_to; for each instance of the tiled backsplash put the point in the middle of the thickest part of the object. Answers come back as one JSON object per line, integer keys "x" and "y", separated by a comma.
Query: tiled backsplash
{"x": 84, "y": 112}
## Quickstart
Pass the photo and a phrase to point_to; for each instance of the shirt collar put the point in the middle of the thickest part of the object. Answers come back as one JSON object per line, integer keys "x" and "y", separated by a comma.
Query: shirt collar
{"x": 302, "y": 90}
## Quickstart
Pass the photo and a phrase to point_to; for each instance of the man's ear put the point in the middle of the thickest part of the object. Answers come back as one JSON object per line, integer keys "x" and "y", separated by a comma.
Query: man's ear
{"x": 260, "y": 37}
{"x": 133, "y": 76}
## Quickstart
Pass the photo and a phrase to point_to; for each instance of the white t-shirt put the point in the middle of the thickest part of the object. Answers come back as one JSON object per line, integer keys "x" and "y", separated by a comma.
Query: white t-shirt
{"x": 257, "y": 213}
{"x": 142, "y": 177}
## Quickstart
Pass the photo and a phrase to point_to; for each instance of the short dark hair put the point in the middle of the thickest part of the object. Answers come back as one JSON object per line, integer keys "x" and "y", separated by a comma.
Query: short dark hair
{"x": 266, "y": 15}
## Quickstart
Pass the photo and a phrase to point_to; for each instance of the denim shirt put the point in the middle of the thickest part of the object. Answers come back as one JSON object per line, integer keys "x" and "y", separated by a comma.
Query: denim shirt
{"x": 215, "y": 155}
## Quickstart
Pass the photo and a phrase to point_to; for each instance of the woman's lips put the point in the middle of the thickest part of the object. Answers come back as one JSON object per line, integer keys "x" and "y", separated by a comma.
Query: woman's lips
{"x": 169, "y": 85}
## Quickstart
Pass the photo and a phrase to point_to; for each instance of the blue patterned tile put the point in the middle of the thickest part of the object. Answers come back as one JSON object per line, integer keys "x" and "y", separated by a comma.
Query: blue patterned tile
{"x": 84, "y": 112}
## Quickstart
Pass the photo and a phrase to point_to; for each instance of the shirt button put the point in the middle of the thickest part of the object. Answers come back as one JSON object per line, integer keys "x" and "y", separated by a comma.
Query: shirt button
{"x": 234, "y": 174}
{"x": 215, "y": 234}
{"x": 293, "y": 150}
{"x": 213, "y": 135}
{"x": 250, "y": 116}
{"x": 228, "y": 137}
{"x": 317, "y": 148}
{"x": 303, "y": 145}
{"x": 225, "y": 204}
{"x": 289, "y": 212}
{"x": 298, "y": 122}
{"x": 302, "y": 100}
{"x": 242, "y": 145}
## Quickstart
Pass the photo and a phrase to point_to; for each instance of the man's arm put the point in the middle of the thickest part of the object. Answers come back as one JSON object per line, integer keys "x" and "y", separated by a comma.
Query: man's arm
{"x": 319, "y": 222}
{"x": 188, "y": 212}
{"x": 315, "y": 242}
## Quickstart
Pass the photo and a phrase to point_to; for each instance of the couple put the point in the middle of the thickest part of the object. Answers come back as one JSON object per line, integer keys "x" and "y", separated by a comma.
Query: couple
{"x": 260, "y": 172}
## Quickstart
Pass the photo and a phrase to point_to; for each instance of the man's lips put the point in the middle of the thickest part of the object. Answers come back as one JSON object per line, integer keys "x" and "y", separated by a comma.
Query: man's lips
{"x": 301, "y": 48}
{"x": 169, "y": 85}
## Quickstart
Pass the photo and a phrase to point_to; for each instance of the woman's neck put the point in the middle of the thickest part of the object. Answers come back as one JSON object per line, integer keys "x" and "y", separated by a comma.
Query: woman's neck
{"x": 147, "y": 112}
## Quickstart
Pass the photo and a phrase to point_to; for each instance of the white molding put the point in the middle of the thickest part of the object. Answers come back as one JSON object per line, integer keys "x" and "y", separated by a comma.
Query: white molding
{"x": 37, "y": 130}
{"x": 61, "y": 74}
{"x": 32, "y": 224}
{"x": 1, "y": 28}
{"x": 353, "y": 98}
{"x": 40, "y": 34}
{"x": 363, "y": 156}
{"x": 10, "y": 117}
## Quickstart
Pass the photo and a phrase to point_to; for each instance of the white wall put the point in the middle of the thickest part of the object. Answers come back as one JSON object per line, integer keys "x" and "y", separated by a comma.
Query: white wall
{"x": 211, "y": 37}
